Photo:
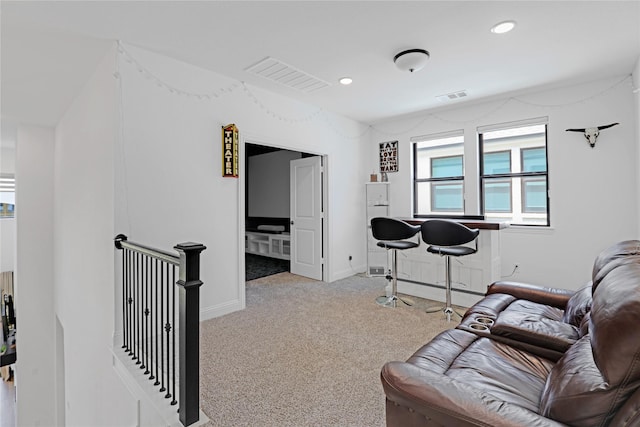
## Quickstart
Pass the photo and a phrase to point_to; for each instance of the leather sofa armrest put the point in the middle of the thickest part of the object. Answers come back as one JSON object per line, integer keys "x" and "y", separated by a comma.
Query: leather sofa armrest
{"x": 445, "y": 401}
{"x": 539, "y": 294}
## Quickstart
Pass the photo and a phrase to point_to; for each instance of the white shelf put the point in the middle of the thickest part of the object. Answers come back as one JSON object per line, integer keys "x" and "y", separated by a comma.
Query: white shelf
{"x": 268, "y": 244}
{"x": 377, "y": 197}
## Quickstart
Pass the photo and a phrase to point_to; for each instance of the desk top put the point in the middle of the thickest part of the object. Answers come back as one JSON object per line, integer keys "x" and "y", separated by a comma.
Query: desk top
{"x": 480, "y": 224}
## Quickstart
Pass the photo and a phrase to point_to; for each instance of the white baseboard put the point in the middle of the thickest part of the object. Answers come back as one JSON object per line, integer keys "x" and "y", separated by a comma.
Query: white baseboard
{"x": 343, "y": 274}
{"x": 220, "y": 309}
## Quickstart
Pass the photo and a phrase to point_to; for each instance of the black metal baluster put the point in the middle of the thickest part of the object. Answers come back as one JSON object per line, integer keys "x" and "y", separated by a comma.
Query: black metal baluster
{"x": 124, "y": 299}
{"x": 134, "y": 312}
{"x": 162, "y": 388}
{"x": 141, "y": 312}
{"x": 154, "y": 312}
{"x": 145, "y": 312}
{"x": 130, "y": 303}
{"x": 138, "y": 308}
{"x": 173, "y": 320}
{"x": 168, "y": 331}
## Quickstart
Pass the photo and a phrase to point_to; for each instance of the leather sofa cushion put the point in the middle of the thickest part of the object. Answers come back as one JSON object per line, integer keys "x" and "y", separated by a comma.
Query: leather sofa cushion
{"x": 576, "y": 392}
{"x": 504, "y": 372}
{"x": 536, "y": 329}
{"x": 518, "y": 320}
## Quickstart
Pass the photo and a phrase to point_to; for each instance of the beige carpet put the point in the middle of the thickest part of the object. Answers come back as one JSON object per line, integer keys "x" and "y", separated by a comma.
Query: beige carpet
{"x": 307, "y": 353}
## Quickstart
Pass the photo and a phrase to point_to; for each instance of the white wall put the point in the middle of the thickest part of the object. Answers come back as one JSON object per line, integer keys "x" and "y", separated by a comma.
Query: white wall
{"x": 169, "y": 181}
{"x": 593, "y": 192}
{"x": 268, "y": 184}
{"x": 84, "y": 254}
{"x": 34, "y": 288}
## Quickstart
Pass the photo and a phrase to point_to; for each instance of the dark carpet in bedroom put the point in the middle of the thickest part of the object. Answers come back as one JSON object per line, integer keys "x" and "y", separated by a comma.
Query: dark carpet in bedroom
{"x": 257, "y": 266}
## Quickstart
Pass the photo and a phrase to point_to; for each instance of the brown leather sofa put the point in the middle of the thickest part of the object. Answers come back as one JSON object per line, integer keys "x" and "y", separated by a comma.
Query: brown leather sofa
{"x": 532, "y": 356}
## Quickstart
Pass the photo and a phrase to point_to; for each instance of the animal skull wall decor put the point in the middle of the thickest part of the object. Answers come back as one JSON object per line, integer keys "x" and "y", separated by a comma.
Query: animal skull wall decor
{"x": 592, "y": 133}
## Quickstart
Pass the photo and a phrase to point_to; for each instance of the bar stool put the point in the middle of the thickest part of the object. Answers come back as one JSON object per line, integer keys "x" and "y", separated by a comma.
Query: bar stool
{"x": 445, "y": 238}
{"x": 391, "y": 234}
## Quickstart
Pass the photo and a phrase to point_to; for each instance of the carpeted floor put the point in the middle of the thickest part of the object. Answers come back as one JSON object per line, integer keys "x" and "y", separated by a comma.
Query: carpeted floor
{"x": 257, "y": 266}
{"x": 307, "y": 353}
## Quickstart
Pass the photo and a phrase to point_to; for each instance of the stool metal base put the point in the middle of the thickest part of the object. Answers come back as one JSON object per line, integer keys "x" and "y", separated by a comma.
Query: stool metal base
{"x": 447, "y": 310}
{"x": 391, "y": 301}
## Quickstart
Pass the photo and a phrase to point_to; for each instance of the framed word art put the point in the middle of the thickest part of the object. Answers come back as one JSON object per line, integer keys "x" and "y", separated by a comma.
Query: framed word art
{"x": 389, "y": 156}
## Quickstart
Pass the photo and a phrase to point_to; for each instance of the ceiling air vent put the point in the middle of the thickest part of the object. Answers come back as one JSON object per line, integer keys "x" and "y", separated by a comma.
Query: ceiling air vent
{"x": 279, "y": 72}
{"x": 452, "y": 96}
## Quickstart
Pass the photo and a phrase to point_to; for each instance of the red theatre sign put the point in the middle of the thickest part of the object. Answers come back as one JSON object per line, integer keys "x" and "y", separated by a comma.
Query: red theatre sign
{"x": 230, "y": 151}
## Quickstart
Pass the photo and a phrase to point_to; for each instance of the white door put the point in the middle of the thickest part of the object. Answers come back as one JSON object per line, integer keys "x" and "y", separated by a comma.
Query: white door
{"x": 306, "y": 217}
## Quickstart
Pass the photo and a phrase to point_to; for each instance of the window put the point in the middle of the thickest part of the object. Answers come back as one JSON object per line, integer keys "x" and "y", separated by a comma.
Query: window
{"x": 7, "y": 196}
{"x": 438, "y": 175}
{"x": 514, "y": 173}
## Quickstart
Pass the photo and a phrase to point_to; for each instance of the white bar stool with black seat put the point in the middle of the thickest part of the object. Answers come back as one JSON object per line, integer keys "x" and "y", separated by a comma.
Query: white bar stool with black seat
{"x": 391, "y": 234}
{"x": 445, "y": 238}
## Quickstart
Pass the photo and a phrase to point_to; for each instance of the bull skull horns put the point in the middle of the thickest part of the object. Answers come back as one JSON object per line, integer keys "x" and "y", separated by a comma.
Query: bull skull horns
{"x": 592, "y": 133}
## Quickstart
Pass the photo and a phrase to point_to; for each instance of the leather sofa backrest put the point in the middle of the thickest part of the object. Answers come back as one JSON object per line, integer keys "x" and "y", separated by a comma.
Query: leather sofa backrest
{"x": 619, "y": 253}
{"x": 600, "y": 371}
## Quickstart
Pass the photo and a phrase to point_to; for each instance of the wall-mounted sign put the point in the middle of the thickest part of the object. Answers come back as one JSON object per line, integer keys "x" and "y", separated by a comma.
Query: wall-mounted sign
{"x": 389, "y": 156}
{"x": 230, "y": 151}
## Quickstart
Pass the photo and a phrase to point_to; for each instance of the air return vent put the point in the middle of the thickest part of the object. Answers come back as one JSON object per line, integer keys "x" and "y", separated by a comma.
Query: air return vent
{"x": 279, "y": 72}
{"x": 452, "y": 96}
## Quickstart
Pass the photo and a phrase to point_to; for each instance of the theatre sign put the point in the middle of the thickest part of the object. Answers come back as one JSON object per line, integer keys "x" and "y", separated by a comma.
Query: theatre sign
{"x": 230, "y": 151}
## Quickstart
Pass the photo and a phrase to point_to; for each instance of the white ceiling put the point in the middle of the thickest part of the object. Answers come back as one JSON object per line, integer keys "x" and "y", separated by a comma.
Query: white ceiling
{"x": 49, "y": 49}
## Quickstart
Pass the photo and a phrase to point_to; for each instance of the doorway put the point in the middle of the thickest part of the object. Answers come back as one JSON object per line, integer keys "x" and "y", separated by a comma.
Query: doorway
{"x": 268, "y": 194}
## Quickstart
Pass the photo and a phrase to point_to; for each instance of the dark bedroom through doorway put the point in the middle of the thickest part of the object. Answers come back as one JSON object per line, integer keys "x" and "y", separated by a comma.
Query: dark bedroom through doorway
{"x": 267, "y": 244}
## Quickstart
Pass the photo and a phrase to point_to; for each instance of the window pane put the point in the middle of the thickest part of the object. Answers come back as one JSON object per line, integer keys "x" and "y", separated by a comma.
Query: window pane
{"x": 426, "y": 151}
{"x": 534, "y": 160}
{"x": 444, "y": 167}
{"x": 497, "y": 162}
{"x": 534, "y": 195}
{"x": 497, "y": 195}
{"x": 447, "y": 196}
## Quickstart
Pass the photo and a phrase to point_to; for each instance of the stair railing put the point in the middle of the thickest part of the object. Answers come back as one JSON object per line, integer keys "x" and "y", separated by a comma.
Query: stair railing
{"x": 149, "y": 284}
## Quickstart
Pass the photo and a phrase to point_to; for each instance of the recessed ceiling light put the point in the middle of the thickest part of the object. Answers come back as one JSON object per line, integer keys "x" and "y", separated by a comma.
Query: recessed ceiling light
{"x": 503, "y": 27}
{"x": 346, "y": 81}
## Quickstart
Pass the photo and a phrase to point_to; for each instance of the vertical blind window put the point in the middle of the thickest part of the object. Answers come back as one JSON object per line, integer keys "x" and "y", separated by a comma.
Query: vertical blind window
{"x": 514, "y": 174}
{"x": 438, "y": 170}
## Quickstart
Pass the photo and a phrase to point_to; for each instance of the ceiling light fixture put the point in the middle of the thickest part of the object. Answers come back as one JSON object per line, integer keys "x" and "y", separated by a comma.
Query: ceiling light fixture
{"x": 411, "y": 60}
{"x": 346, "y": 81}
{"x": 503, "y": 27}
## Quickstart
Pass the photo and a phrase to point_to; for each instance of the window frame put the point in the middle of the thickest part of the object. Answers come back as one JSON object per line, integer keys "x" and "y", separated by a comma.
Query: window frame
{"x": 522, "y": 175}
{"x": 417, "y": 181}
